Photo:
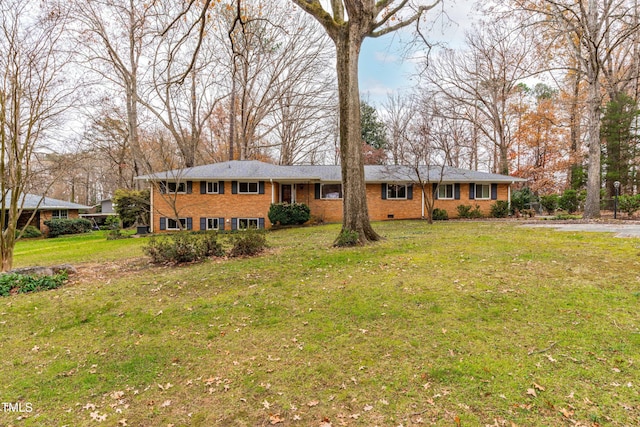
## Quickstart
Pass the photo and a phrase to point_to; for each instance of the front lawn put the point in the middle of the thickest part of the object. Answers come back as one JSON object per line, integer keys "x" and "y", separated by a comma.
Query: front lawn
{"x": 458, "y": 323}
{"x": 73, "y": 249}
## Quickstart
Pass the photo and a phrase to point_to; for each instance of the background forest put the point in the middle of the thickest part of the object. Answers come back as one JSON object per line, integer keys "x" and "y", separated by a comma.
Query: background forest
{"x": 95, "y": 93}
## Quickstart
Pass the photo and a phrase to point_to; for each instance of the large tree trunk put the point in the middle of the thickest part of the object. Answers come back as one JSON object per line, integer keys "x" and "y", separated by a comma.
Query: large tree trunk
{"x": 354, "y": 202}
{"x": 592, "y": 204}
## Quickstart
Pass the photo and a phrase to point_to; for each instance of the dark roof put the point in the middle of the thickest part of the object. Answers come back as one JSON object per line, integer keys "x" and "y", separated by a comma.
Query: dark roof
{"x": 253, "y": 169}
{"x": 33, "y": 201}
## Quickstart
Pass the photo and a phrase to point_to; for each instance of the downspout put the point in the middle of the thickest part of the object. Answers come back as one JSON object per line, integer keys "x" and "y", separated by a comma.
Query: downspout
{"x": 509, "y": 196}
{"x": 151, "y": 208}
{"x": 422, "y": 195}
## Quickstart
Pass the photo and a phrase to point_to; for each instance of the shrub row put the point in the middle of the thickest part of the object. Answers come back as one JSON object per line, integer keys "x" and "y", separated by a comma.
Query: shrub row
{"x": 186, "y": 247}
{"x": 59, "y": 227}
{"x": 629, "y": 204}
{"x": 25, "y": 283}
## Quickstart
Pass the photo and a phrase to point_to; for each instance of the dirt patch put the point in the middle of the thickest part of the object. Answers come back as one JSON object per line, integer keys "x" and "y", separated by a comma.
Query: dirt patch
{"x": 103, "y": 271}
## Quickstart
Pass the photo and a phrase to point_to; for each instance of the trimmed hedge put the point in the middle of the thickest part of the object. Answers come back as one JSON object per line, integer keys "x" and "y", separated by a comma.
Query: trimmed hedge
{"x": 59, "y": 227}
{"x": 289, "y": 213}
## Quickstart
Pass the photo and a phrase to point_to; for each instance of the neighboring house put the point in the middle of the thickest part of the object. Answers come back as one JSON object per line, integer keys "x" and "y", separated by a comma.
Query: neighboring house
{"x": 45, "y": 209}
{"x": 99, "y": 216}
{"x": 237, "y": 194}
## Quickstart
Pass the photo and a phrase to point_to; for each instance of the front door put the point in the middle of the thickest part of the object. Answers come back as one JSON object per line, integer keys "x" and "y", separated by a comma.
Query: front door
{"x": 286, "y": 192}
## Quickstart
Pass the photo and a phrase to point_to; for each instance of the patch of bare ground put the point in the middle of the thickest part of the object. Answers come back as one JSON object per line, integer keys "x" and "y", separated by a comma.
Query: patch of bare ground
{"x": 101, "y": 271}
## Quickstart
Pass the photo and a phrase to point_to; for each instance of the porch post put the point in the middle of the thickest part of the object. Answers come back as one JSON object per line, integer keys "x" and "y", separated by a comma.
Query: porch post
{"x": 273, "y": 192}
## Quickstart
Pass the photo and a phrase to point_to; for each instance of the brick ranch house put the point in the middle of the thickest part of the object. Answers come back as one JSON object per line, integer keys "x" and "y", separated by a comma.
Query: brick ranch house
{"x": 45, "y": 209}
{"x": 237, "y": 194}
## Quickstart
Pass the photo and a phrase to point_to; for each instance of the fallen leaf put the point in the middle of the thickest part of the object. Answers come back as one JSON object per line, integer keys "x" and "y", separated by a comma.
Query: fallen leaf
{"x": 275, "y": 419}
{"x": 538, "y": 387}
{"x": 266, "y": 404}
{"x": 532, "y": 392}
{"x": 567, "y": 413}
{"x": 165, "y": 404}
{"x": 313, "y": 403}
{"x": 96, "y": 416}
{"x": 367, "y": 408}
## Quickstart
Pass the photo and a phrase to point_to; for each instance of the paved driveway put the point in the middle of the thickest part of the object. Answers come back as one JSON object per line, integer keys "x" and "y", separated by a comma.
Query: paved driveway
{"x": 619, "y": 230}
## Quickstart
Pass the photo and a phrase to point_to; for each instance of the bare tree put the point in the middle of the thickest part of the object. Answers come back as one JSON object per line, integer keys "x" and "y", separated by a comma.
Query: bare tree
{"x": 397, "y": 114}
{"x": 485, "y": 78}
{"x": 277, "y": 62}
{"x": 108, "y": 135}
{"x": 33, "y": 97}
{"x": 114, "y": 34}
{"x": 182, "y": 106}
{"x": 594, "y": 30}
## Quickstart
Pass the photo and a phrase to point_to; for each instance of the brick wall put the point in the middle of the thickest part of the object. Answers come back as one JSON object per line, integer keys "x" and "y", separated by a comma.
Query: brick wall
{"x": 228, "y": 205}
{"x": 196, "y": 205}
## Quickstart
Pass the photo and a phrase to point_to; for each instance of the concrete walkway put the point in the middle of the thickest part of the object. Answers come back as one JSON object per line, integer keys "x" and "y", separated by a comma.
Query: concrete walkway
{"x": 619, "y": 230}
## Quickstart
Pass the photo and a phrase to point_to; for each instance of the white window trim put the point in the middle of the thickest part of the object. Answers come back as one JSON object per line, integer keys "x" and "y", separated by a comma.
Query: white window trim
{"x": 406, "y": 190}
{"x": 257, "y": 220}
{"x": 59, "y": 211}
{"x": 257, "y": 183}
{"x": 444, "y": 186}
{"x": 477, "y": 197}
{"x": 218, "y": 222}
{"x": 217, "y": 184}
{"x": 177, "y": 184}
{"x": 183, "y": 221}
{"x": 331, "y": 198}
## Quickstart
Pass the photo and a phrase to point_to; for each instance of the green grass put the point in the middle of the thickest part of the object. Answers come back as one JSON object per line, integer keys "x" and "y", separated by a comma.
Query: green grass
{"x": 90, "y": 247}
{"x": 458, "y": 323}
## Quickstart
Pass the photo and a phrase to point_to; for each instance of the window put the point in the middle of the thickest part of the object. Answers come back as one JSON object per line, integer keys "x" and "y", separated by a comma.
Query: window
{"x": 213, "y": 223}
{"x": 248, "y": 188}
{"x": 212, "y": 187}
{"x": 60, "y": 214}
{"x": 331, "y": 191}
{"x": 248, "y": 223}
{"x": 176, "y": 187}
{"x": 172, "y": 224}
{"x": 396, "y": 191}
{"x": 445, "y": 191}
{"x": 483, "y": 191}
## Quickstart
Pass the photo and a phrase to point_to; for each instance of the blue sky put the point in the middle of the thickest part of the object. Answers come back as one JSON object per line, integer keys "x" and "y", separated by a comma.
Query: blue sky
{"x": 385, "y": 67}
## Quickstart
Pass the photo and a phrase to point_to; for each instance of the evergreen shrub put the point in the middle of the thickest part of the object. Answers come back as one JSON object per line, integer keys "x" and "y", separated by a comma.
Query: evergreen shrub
{"x": 59, "y": 227}
{"x": 289, "y": 213}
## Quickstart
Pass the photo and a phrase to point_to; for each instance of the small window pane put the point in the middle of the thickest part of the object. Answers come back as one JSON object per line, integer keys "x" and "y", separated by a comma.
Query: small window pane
{"x": 59, "y": 214}
{"x": 212, "y": 187}
{"x": 331, "y": 191}
{"x": 176, "y": 187}
{"x": 247, "y": 223}
{"x": 172, "y": 224}
{"x": 395, "y": 191}
{"x": 445, "y": 191}
{"x": 483, "y": 191}
{"x": 247, "y": 187}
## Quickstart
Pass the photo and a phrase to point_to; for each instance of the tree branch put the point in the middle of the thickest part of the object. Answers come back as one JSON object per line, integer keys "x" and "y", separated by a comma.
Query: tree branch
{"x": 401, "y": 24}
